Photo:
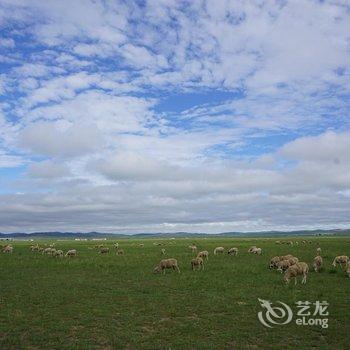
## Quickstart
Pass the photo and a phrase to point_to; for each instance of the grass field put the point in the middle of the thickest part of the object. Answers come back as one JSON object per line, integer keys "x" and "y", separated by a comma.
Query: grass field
{"x": 98, "y": 301}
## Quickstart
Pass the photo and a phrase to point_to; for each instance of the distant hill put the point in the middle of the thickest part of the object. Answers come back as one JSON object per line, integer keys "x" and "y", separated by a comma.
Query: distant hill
{"x": 338, "y": 232}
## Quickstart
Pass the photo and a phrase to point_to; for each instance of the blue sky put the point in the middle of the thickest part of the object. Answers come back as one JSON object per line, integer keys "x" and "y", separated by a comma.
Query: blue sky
{"x": 129, "y": 116}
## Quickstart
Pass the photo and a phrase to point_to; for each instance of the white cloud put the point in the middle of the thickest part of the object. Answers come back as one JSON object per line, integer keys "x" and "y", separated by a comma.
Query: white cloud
{"x": 50, "y": 139}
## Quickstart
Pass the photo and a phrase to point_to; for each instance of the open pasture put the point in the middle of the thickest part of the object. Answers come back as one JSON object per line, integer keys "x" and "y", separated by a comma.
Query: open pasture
{"x": 105, "y": 301}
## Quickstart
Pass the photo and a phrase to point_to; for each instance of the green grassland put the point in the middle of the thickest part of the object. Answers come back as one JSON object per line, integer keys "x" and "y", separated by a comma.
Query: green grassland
{"x": 98, "y": 301}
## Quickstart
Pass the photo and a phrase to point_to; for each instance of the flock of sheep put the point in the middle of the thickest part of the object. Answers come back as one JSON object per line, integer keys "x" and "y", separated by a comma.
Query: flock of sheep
{"x": 287, "y": 264}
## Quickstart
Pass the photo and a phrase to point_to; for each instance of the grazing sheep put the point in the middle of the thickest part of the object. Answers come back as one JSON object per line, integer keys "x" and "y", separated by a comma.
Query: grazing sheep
{"x": 250, "y": 250}
{"x": 71, "y": 253}
{"x": 58, "y": 253}
{"x": 299, "y": 268}
{"x": 162, "y": 251}
{"x": 120, "y": 252}
{"x": 193, "y": 248}
{"x": 340, "y": 260}
{"x": 274, "y": 261}
{"x": 283, "y": 265}
{"x": 34, "y": 248}
{"x": 47, "y": 251}
{"x": 141, "y": 245}
{"x": 7, "y": 249}
{"x": 197, "y": 263}
{"x": 348, "y": 268}
{"x": 317, "y": 263}
{"x": 203, "y": 254}
{"x": 167, "y": 264}
{"x": 318, "y": 251}
{"x": 233, "y": 251}
{"x": 286, "y": 257}
{"x": 257, "y": 251}
{"x": 115, "y": 245}
{"x": 219, "y": 250}
{"x": 278, "y": 242}
{"x": 104, "y": 250}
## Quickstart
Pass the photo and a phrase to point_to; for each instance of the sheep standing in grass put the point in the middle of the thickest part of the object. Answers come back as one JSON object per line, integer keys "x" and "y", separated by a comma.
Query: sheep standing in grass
{"x": 47, "y": 251}
{"x": 162, "y": 251}
{"x": 257, "y": 251}
{"x": 7, "y": 249}
{"x": 233, "y": 251}
{"x": 197, "y": 263}
{"x": 219, "y": 250}
{"x": 286, "y": 257}
{"x": 141, "y": 245}
{"x": 116, "y": 246}
{"x": 283, "y": 265}
{"x": 273, "y": 262}
{"x": 250, "y": 250}
{"x": 34, "y": 248}
{"x": 317, "y": 263}
{"x": 318, "y": 251}
{"x": 120, "y": 252}
{"x": 298, "y": 269}
{"x": 204, "y": 254}
{"x": 340, "y": 260}
{"x": 71, "y": 253}
{"x": 167, "y": 264}
{"x": 58, "y": 253}
{"x": 193, "y": 248}
{"x": 104, "y": 250}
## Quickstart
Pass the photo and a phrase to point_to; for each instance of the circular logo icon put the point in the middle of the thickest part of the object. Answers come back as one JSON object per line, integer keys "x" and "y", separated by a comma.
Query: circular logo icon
{"x": 274, "y": 315}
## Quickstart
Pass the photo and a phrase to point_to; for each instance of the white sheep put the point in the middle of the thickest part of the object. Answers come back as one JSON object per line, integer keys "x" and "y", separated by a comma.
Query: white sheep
{"x": 7, "y": 249}
{"x": 47, "y": 251}
{"x": 318, "y": 251}
{"x": 233, "y": 251}
{"x": 317, "y": 263}
{"x": 219, "y": 250}
{"x": 162, "y": 251}
{"x": 204, "y": 254}
{"x": 120, "y": 252}
{"x": 340, "y": 260}
{"x": 34, "y": 248}
{"x": 300, "y": 268}
{"x": 257, "y": 251}
{"x": 104, "y": 250}
{"x": 193, "y": 248}
{"x": 58, "y": 253}
{"x": 167, "y": 264}
{"x": 250, "y": 250}
{"x": 286, "y": 257}
{"x": 283, "y": 265}
{"x": 71, "y": 253}
{"x": 197, "y": 263}
{"x": 274, "y": 261}
{"x": 141, "y": 245}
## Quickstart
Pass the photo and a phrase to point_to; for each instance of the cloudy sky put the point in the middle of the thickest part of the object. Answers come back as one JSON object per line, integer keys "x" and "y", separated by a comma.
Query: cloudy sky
{"x": 170, "y": 115}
